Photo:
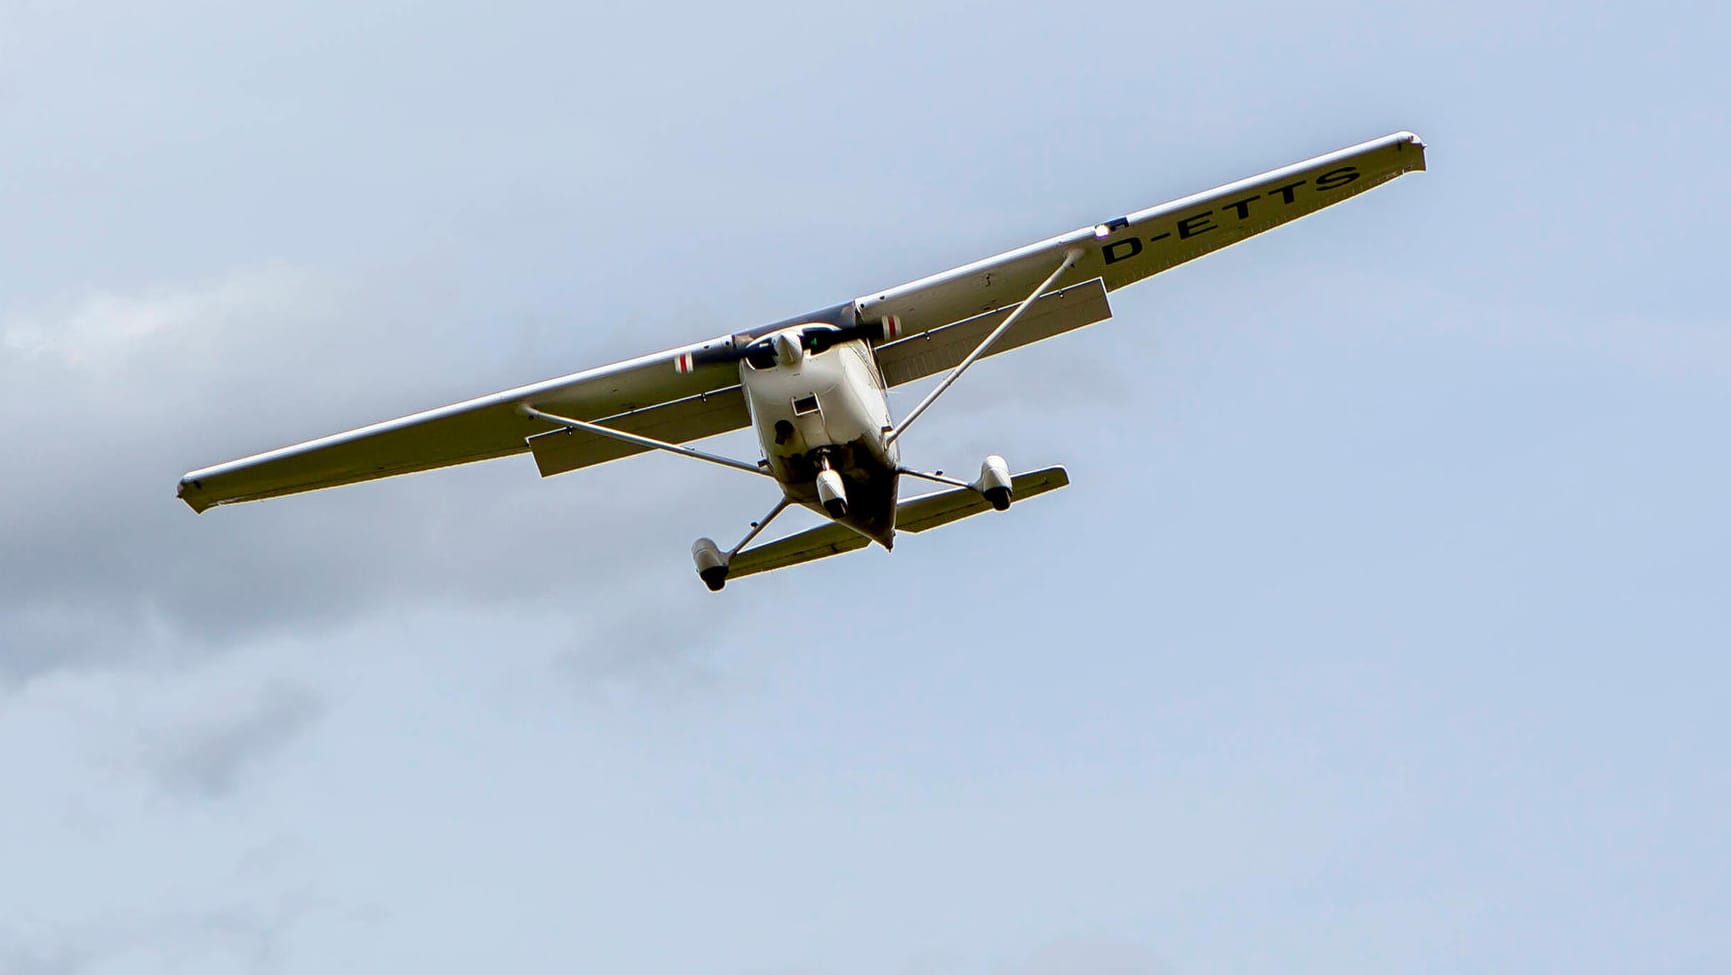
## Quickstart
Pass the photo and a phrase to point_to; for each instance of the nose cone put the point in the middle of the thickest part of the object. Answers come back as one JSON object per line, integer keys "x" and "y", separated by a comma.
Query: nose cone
{"x": 787, "y": 350}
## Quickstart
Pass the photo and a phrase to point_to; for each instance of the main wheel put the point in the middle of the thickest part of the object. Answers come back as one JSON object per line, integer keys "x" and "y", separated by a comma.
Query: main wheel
{"x": 999, "y": 497}
{"x": 714, "y": 577}
{"x": 711, "y": 564}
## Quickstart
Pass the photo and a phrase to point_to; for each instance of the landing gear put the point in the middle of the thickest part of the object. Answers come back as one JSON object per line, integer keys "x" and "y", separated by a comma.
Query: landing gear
{"x": 712, "y": 562}
{"x": 994, "y": 482}
{"x": 831, "y": 492}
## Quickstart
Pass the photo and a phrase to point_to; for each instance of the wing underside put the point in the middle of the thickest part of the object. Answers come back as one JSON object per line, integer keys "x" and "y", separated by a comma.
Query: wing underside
{"x": 937, "y": 349}
{"x": 692, "y": 418}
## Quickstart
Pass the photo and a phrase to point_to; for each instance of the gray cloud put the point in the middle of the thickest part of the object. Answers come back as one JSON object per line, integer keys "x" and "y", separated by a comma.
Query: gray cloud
{"x": 103, "y": 565}
{"x": 210, "y": 759}
{"x": 57, "y": 959}
{"x": 247, "y": 937}
{"x": 661, "y": 654}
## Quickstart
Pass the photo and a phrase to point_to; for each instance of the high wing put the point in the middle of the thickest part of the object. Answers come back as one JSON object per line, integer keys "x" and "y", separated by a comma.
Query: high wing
{"x": 665, "y": 396}
{"x": 1116, "y": 252}
{"x": 688, "y": 393}
{"x": 936, "y": 349}
{"x": 914, "y": 515}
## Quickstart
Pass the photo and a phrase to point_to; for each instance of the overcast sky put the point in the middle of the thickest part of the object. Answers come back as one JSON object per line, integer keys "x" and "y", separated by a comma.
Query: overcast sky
{"x": 1383, "y": 628}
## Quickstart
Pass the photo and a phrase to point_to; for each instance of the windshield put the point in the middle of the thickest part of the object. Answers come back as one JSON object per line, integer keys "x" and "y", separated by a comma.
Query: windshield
{"x": 815, "y": 339}
{"x": 761, "y": 354}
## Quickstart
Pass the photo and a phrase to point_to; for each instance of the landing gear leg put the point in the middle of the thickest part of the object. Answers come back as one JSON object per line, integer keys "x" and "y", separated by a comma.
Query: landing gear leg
{"x": 994, "y": 483}
{"x": 712, "y": 562}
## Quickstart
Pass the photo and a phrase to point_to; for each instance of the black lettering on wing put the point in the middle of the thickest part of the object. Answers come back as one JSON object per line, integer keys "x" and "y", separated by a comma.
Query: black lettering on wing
{"x": 1242, "y": 207}
{"x": 1120, "y": 250}
{"x": 1288, "y": 191}
{"x": 1334, "y": 179}
{"x": 1191, "y": 226}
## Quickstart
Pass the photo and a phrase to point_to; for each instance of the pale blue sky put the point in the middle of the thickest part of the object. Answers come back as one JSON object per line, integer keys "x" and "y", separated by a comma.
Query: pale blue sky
{"x": 1383, "y": 627}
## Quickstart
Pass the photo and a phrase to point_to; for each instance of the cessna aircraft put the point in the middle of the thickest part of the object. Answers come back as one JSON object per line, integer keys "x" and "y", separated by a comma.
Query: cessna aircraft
{"x": 813, "y": 387}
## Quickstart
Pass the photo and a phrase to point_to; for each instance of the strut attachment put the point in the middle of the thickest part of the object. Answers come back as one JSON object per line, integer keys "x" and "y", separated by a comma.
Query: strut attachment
{"x": 712, "y": 562}
{"x": 995, "y": 483}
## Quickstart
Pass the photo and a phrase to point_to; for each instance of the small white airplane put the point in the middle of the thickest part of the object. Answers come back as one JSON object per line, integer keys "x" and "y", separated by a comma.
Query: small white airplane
{"x": 813, "y": 387}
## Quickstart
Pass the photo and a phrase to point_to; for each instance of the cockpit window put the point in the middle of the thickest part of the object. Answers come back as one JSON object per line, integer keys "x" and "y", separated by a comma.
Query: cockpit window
{"x": 761, "y": 354}
{"x": 815, "y": 339}
{"x": 818, "y": 338}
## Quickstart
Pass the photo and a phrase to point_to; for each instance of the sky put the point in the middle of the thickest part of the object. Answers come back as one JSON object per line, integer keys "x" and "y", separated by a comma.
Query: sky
{"x": 1383, "y": 626}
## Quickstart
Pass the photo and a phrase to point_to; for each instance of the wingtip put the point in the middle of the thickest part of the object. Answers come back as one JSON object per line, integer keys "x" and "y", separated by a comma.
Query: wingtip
{"x": 192, "y": 492}
{"x": 1406, "y": 138}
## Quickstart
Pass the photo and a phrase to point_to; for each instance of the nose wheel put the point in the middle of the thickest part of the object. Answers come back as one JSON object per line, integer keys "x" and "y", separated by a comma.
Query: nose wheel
{"x": 832, "y": 493}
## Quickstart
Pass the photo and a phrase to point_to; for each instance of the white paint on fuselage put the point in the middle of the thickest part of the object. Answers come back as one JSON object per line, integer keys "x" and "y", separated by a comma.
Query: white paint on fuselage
{"x": 848, "y": 425}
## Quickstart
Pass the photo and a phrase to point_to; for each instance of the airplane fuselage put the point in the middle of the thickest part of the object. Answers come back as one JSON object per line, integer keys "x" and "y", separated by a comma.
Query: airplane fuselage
{"x": 816, "y": 405}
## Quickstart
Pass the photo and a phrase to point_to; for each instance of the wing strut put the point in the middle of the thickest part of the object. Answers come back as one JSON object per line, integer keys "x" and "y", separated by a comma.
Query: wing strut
{"x": 1071, "y": 256}
{"x": 760, "y": 525}
{"x": 632, "y": 438}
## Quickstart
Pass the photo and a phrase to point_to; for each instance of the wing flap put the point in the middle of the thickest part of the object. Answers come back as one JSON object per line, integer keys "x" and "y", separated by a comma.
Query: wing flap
{"x": 1126, "y": 249}
{"x": 941, "y": 348}
{"x": 693, "y": 418}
